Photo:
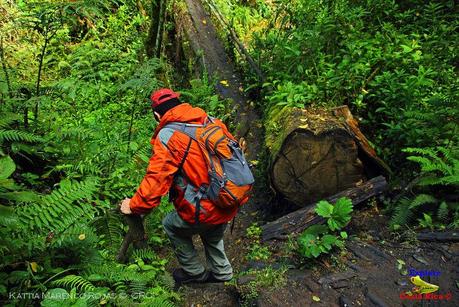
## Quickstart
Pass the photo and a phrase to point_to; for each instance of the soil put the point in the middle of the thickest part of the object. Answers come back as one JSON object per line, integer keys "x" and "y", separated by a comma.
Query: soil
{"x": 203, "y": 39}
{"x": 365, "y": 273}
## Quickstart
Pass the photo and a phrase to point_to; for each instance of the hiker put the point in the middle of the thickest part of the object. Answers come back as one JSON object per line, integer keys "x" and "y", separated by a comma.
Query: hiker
{"x": 198, "y": 161}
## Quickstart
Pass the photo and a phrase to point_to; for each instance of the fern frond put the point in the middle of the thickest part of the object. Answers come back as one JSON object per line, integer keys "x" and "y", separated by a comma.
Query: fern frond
{"x": 450, "y": 180}
{"x": 83, "y": 168}
{"x": 138, "y": 286}
{"x": 144, "y": 254}
{"x": 109, "y": 227}
{"x": 7, "y": 118}
{"x": 74, "y": 281}
{"x": 443, "y": 212}
{"x": 19, "y": 136}
{"x": 62, "y": 208}
{"x": 402, "y": 214}
{"x": 422, "y": 199}
{"x": 160, "y": 301}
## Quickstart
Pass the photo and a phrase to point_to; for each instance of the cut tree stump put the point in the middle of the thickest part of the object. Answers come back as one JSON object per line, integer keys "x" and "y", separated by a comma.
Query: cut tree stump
{"x": 317, "y": 153}
{"x": 298, "y": 220}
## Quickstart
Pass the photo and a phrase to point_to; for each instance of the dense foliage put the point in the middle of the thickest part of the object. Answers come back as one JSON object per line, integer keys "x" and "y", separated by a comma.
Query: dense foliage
{"x": 74, "y": 134}
{"x": 75, "y": 126}
{"x": 393, "y": 62}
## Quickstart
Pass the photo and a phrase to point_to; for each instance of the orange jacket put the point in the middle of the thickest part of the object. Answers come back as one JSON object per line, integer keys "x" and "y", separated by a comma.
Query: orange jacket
{"x": 163, "y": 174}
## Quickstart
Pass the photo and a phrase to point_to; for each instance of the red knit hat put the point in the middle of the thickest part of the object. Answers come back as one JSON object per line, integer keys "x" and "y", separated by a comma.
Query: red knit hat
{"x": 160, "y": 96}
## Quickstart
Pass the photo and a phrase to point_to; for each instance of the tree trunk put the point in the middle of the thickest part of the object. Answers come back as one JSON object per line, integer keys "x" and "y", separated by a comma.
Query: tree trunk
{"x": 298, "y": 220}
{"x": 316, "y": 153}
{"x": 150, "y": 44}
{"x": 5, "y": 67}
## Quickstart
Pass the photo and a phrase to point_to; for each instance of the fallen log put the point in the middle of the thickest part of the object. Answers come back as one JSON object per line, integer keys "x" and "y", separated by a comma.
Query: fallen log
{"x": 298, "y": 220}
{"x": 316, "y": 153}
{"x": 135, "y": 236}
{"x": 437, "y": 236}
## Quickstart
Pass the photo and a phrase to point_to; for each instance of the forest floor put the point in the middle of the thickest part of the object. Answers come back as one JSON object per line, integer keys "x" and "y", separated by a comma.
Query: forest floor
{"x": 365, "y": 273}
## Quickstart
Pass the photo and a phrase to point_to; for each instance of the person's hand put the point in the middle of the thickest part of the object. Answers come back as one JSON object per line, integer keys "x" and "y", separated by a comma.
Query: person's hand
{"x": 243, "y": 145}
{"x": 125, "y": 208}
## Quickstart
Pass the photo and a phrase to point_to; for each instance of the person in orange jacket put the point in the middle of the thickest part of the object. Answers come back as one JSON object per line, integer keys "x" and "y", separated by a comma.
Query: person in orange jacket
{"x": 176, "y": 167}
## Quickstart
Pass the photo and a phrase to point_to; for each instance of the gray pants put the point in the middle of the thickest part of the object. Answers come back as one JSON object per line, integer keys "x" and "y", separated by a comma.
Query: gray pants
{"x": 181, "y": 233}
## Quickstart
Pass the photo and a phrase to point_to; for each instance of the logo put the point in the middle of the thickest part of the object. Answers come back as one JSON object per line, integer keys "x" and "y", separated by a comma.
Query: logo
{"x": 421, "y": 286}
{"x": 423, "y": 290}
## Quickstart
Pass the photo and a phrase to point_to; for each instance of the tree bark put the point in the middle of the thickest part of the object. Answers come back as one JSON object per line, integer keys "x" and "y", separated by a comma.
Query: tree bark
{"x": 447, "y": 236}
{"x": 161, "y": 27}
{"x": 150, "y": 44}
{"x": 5, "y": 67}
{"x": 317, "y": 153}
{"x": 298, "y": 220}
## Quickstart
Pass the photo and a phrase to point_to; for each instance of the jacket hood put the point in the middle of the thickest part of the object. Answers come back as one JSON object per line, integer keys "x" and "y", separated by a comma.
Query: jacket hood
{"x": 183, "y": 113}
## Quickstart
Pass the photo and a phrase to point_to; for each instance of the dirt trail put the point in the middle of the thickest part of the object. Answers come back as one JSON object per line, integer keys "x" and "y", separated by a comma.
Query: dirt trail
{"x": 364, "y": 274}
{"x": 204, "y": 41}
{"x": 203, "y": 38}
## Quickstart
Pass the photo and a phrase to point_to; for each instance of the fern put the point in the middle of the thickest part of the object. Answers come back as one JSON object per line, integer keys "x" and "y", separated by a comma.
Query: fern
{"x": 19, "y": 136}
{"x": 7, "y": 118}
{"x": 109, "y": 227}
{"x": 144, "y": 254}
{"x": 420, "y": 200}
{"x": 439, "y": 167}
{"x": 402, "y": 214}
{"x": 443, "y": 212}
{"x": 138, "y": 286}
{"x": 59, "y": 210}
{"x": 161, "y": 301}
{"x": 74, "y": 281}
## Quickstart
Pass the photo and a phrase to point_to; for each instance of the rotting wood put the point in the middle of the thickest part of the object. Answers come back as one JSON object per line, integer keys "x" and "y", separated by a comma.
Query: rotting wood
{"x": 135, "y": 235}
{"x": 316, "y": 153}
{"x": 362, "y": 141}
{"x": 300, "y": 219}
{"x": 437, "y": 236}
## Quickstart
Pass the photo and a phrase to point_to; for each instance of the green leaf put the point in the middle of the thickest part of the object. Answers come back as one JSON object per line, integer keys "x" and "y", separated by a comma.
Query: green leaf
{"x": 21, "y": 196}
{"x": 95, "y": 277}
{"x": 7, "y": 167}
{"x": 343, "y": 207}
{"x": 3, "y": 290}
{"x": 328, "y": 241}
{"x": 316, "y": 230}
{"x": 315, "y": 251}
{"x": 343, "y": 234}
{"x": 406, "y": 48}
{"x": 324, "y": 208}
{"x": 333, "y": 224}
{"x": 55, "y": 297}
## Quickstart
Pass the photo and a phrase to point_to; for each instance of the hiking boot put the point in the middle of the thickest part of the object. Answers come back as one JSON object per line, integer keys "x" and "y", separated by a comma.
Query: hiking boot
{"x": 182, "y": 277}
{"x": 211, "y": 278}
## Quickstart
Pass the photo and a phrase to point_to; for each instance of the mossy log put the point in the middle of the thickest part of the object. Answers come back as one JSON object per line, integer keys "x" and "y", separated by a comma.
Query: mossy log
{"x": 318, "y": 153}
{"x": 297, "y": 221}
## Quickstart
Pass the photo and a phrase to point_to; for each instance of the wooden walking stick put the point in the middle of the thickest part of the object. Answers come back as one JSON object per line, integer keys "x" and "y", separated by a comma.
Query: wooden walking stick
{"x": 135, "y": 235}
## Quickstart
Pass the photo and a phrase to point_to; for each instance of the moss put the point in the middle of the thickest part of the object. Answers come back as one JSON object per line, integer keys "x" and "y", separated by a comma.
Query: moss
{"x": 282, "y": 121}
{"x": 249, "y": 284}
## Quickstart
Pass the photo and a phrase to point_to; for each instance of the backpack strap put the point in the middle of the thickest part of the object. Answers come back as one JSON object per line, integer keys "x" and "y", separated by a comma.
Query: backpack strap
{"x": 187, "y": 150}
{"x": 189, "y": 130}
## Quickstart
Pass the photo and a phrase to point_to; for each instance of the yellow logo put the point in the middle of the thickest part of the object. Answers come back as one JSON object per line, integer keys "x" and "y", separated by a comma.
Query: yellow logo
{"x": 421, "y": 286}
